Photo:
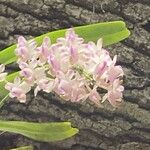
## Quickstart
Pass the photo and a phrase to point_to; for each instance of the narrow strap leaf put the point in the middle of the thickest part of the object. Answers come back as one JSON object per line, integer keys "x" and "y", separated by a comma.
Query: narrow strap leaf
{"x": 40, "y": 131}
{"x": 23, "y": 148}
{"x": 92, "y": 32}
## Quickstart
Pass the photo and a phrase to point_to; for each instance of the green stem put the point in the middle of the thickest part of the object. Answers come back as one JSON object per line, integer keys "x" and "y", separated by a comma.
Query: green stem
{"x": 83, "y": 72}
{"x": 3, "y": 101}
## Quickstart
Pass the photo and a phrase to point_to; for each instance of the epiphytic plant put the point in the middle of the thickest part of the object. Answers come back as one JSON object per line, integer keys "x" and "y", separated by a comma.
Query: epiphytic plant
{"x": 72, "y": 63}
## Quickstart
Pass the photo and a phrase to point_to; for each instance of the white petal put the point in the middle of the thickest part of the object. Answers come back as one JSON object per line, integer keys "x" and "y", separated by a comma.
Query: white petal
{"x": 104, "y": 98}
{"x": 50, "y": 87}
{"x": 22, "y": 65}
{"x": 33, "y": 63}
{"x": 17, "y": 81}
{"x": 36, "y": 90}
{"x": 9, "y": 86}
{"x": 2, "y": 68}
{"x": 2, "y": 76}
{"x": 21, "y": 41}
{"x": 99, "y": 44}
{"x": 115, "y": 59}
{"x": 47, "y": 41}
{"x": 22, "y": 99}
{"x": 25, "y": 87}
{"x": 10, "y": 95}
{"x": 39, "y": 73}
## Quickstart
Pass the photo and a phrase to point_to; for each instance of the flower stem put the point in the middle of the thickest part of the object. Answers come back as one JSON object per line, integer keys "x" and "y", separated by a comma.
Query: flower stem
{"x": 81, "y": 71}
{"x": 3, "y": 101}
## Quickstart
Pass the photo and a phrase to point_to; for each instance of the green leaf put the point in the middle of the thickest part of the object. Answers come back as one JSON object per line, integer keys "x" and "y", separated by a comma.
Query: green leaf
{"x": 7, "y": 55}
{"x": 111, "y": 32}
{"x": 23, "y": 148}
{"x": 45, "y": 132}
{"x": 118, "y": 36}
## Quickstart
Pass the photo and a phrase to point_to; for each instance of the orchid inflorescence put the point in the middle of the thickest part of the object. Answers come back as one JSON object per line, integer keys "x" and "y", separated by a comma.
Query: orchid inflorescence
{"x": 71, "y": 68}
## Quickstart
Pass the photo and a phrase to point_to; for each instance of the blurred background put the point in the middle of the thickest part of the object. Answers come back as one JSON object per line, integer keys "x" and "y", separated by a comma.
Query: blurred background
{"x": 126, "y": 128}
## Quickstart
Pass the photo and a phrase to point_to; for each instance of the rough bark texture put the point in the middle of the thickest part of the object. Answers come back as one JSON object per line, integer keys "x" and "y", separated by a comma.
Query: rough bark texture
{"x": 127, "y": 128}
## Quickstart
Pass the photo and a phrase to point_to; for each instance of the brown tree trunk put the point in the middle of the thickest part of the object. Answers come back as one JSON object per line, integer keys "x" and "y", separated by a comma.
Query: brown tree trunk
{"x": 127, "y": 128}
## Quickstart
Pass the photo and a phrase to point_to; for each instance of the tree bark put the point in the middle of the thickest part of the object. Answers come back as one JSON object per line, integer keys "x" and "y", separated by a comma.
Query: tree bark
{"x": 126, "y": 128}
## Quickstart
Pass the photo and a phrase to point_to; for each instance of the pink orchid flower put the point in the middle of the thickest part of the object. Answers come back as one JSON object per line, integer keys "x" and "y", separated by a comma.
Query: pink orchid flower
{"x": 18, "y": 89}
{"x": 47, "y": 85}
{"x": 114, "y": 72}
{"x": 44, "y": 50}
{"x": 114, "y": 94}
{"x": 70, "y": 67}
{"x": 71, "y": 87}
{"x": 26, "y": 50}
